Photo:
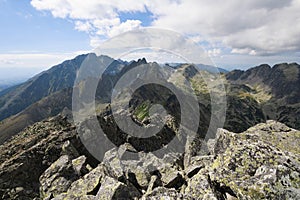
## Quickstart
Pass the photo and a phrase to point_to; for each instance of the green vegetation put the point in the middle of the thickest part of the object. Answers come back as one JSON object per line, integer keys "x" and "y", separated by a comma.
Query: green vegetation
{"x": 142, "y": 110}
{"x": 199, "y": 85}
{"x": 258, "y": 92}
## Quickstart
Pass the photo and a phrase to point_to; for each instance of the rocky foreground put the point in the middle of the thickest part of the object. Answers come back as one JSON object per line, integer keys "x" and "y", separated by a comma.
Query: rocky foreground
{"x": 48, "y": 161}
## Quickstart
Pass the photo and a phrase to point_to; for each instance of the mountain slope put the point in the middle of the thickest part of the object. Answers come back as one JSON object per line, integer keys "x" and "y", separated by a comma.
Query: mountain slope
{"x": 46, "y": 107}
{"x": 276, "y": 89}
{"x": 57, "y": 78}
{"x": 282, "y": 80}
{"x": 60, "y": 98}
{"x": 62, "y": 76}
{"x": 253, "y": 96}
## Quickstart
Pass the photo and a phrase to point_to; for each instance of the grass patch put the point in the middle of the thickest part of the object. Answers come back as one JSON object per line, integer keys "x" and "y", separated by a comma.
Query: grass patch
{"x": 142, "y": 110}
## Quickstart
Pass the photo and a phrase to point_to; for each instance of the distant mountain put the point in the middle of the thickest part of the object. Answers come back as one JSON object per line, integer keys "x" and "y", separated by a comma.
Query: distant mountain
{"x": 276, "y": 89}
{"x": 57, "y": 78}
{"x": 253, "y": 96}
{"x": 4, "y": 86}
{"x": 62, "y": 76}
{"x": 203, "y": 67}
{"x": 50, "y": 92}
{"x": 282, "y": 80}
{"x": 48, "y": 160}
{"x": 7, "y": 84}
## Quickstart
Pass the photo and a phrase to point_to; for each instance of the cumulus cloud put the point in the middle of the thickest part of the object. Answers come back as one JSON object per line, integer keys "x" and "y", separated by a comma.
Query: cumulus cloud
{"x": 214, "y": 52}
{"x": 251, "y": 27}
{"x": 98, "y": 18}
{"x": 263, "y": 27}
{"x": 83, "y": 26}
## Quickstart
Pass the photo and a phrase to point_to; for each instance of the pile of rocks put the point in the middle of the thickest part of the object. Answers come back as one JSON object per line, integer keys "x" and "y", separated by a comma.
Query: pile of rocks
{"x": 262, "y": 162}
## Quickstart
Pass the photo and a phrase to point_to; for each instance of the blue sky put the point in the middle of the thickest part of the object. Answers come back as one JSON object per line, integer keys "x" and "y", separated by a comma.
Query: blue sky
{"x": 36, "y": 34}
{"x": 27, "y": 30}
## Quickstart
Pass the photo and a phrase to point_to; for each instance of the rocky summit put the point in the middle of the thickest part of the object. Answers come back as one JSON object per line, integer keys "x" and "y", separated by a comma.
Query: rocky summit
{"x": 48, "y": 161}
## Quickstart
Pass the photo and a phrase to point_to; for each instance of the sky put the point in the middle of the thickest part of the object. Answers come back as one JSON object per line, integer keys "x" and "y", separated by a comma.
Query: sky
{"x": 37, "y": 34}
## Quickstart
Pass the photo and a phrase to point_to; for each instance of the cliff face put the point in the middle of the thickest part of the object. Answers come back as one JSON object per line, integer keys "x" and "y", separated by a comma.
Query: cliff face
{"x": 48, "y": 161}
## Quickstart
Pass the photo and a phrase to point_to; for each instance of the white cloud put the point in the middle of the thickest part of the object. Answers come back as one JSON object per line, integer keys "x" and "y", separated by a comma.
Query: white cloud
{"x": 123, "y": 27}
{"x": 98, "y": 18}
{"x": 252, "y": 27}
{"x": 214, "y": 52}
{"x": 95, "y": 41}
{"x": 83, "y": 26}
{"x": 264, "y": 27}
{"x": 153, "y": 56}
{"x": 113, "y": 27}
{"x": 244, "y": 51}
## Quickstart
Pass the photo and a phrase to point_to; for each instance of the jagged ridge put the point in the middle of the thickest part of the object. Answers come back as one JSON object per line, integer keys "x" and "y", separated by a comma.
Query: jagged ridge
{"x": 48, "y": 161}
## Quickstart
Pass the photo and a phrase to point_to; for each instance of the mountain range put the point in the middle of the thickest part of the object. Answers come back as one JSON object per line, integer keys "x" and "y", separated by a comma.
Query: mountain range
{"x": 253, "y": 96}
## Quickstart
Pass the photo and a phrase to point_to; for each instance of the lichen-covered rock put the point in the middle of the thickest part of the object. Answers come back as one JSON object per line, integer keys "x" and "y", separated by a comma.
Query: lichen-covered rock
{"x": 197, "y": 163}
{"x": 47, "y": 161}
{"x": 27, "y": 155}
{"x": 114, "y": 164}
{"x": 255, "y": 164}
{"x": 58, "y": 177}
{"x": 199, "y": 186}
{"x": 262, "y": 162}
{"x": 139, "y": 175}
{"x": 88, "y": 185}
{"x": 79, "y": 165}
{"x": 61, "y": 174}
{"x": 64, "y": 196}
{"x": 153, "y": 183}
{"x": 171, "y": 178}
{"x": 113, "y": 189}
{"x": 168, "y": 169}
{"x": 70, "y": 150}
{"x": 222, "y": 141}
{"x": 166, "y": 193}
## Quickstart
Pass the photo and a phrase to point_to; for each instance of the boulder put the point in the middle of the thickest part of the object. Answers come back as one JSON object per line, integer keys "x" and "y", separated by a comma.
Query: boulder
{"x": 87, "y": 185}
{"x": 58, "y": 177}
{"x": 199, "y": 186}
{"x": 166, "y": 193}
{"x": 112, "y": 189}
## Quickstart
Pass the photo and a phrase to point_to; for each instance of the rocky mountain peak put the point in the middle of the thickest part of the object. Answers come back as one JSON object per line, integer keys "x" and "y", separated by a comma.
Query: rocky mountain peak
{"x": 48, "y": 161}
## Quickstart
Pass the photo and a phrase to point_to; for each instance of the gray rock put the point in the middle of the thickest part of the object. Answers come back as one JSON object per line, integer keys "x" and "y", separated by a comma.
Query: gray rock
{"x": 171, "y": 178}
{"x": 165, "y": 193}
{"x": 87, "y": 185}
{"x": 79, "y": 165}
{"x": 260, "y": 163}
{"x": 154, "y": 182}
{"x": 114, "y": 164}
{"x": 112, "y": 189}
{"x": 70, "y": 150}
{"x": 199, "y": 186}
{"x": 58, "y": 177}
{"x": 257, "y": 163}
{"x": 26, "y": 156}
{"x": 139, "y": 175}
